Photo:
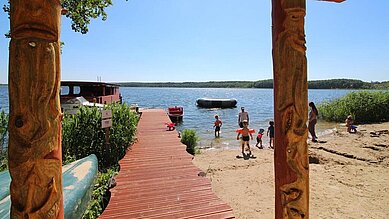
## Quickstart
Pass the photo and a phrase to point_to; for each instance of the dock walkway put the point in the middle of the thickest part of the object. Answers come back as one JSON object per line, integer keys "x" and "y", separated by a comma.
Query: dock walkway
{"x": 158, "y": 180}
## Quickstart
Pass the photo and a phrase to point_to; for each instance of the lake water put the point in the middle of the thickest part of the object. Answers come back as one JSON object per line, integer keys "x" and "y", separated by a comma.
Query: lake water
{"x": 257, "y": 102}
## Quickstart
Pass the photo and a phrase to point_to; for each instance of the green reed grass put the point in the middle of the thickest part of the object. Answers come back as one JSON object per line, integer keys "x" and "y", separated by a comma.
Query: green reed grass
{"x": 364, "y": 106}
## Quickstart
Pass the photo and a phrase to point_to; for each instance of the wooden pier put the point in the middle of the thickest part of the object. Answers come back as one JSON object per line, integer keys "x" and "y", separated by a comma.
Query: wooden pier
{"x": 158, "y": 180}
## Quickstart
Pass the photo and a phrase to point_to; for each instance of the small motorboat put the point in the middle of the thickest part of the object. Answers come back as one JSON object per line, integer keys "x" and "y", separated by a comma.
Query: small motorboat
{"x": 175, "y": 113}
{"x": 216, "y": 103}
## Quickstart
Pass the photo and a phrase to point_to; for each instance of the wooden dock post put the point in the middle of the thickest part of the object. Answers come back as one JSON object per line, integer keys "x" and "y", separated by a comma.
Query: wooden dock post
{"x": 35, "y": 158}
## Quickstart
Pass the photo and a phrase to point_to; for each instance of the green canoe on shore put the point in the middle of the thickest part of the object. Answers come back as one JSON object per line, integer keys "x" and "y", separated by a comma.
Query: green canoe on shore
{"x": 77, "y": 182}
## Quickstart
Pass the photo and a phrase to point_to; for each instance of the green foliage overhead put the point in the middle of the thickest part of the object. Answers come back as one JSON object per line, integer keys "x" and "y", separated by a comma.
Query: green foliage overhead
{"x": 364, "y": 106}
{"x": 80, "y": 12}
{"x": 190, "y": 139}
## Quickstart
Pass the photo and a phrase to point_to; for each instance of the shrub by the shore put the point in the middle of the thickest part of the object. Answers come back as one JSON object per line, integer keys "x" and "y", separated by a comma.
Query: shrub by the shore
{"x": 3, "y": 128}
{"x": 189, "y": 138}
{"x": 364, "y": 106}
{"x": 3, "y": 137}
{"x": 83, "y": 135}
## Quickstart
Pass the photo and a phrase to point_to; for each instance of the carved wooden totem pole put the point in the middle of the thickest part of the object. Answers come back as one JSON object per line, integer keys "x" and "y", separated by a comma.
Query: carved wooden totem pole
{"x": 35, "y": 160}
{"x": 290, "y": 109}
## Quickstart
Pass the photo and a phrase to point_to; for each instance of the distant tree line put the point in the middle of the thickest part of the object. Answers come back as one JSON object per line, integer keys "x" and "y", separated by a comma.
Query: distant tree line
{"x": 268, "y": 83}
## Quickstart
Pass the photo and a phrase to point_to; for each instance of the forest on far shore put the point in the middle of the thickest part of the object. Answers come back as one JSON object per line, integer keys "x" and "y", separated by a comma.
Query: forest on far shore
{"x": 268, "y": 83}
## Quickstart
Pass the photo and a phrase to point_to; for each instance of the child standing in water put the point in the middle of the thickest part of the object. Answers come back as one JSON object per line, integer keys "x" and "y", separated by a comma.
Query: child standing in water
{"x": 218, "y": 123}
{"x": 246, "y": 134}
{"x": 270, "y": 131}
{"x": 259, "y": 138}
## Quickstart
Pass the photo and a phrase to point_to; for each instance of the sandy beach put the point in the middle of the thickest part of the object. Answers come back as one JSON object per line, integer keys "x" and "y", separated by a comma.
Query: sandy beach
{"x": 349, "y": 176}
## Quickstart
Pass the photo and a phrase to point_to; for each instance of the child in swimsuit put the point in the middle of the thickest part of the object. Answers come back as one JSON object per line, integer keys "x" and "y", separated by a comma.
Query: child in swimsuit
{"x": 270, "y": 131}
{"x": 218, "y": 123}
{"x": 246, "y": 134}
{"x": 259, "y": 138}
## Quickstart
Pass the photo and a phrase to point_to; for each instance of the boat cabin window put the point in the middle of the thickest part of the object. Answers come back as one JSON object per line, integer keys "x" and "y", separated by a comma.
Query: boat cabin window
{"x": 76, "y": 90}
{"x": 70, "y": 90}
{"x": 64, "y": 90}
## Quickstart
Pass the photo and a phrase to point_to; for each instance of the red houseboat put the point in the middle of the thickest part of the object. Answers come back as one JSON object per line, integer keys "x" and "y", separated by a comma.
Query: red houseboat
{"x": 77, "y": 93}
{"x": 94, "y": 92}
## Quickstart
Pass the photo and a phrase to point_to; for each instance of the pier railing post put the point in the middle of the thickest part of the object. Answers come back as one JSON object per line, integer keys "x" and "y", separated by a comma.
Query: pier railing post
{"x": 35, "y": 159}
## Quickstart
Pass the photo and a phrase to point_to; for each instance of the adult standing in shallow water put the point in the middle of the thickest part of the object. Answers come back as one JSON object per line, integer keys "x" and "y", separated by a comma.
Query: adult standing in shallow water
{"x": 243, "y": 116}
{"x": 312, "y": 120}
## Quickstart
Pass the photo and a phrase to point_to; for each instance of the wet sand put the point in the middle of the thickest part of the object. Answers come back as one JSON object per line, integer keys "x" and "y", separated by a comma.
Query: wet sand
{"x": 349, "y": 176}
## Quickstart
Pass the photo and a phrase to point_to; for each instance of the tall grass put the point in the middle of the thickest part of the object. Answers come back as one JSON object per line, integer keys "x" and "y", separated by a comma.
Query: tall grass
{"x": 364, "y": 106}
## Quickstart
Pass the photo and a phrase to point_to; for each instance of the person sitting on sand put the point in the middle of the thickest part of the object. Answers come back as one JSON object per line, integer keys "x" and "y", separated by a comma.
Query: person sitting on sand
{"x": 218, "y": 123}
{"x": 351, "y": 128}
{"x": 259, "y": 138}
{"x": 246, "y": 134}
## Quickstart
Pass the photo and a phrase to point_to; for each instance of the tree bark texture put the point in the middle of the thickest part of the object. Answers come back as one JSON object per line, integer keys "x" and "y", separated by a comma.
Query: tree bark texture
{"x": 35, "y": 159}
{"x": 290, "y": 109}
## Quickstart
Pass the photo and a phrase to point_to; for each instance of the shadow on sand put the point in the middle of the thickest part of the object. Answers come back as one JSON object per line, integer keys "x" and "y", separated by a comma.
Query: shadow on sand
{"x": 246, "y": 156}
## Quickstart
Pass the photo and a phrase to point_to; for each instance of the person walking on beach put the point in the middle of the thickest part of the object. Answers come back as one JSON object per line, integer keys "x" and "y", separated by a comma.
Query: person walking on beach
{"x": 242, "y": 117}
{"x": 270, "y": 133}
{"x": 312, "y": 120}
{"x": 259, "y": 138}
{"x": 246, "y": 135}
{"x": 217, "y": 125}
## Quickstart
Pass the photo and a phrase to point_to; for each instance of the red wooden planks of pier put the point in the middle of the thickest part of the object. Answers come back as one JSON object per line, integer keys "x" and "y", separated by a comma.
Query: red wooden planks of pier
{"x": 158, "y": 180}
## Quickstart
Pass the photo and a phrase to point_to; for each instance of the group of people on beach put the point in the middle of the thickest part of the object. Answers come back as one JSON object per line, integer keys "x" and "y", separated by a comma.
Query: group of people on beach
{"x": 245, "y": 133}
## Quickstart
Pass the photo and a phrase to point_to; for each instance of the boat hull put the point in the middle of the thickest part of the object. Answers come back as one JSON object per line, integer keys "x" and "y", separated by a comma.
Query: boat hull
{"x": 216, "y": 103}
{"x": 175, "y": 113}
{"x": 77, "y": 182}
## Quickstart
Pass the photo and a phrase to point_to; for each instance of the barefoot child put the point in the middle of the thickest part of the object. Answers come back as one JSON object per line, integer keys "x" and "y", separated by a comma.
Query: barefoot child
{"x": 270, "y": 131}
{"x": 246, "y": 134}
{"x": 218, "y": 123}
{"x": 259, "y": 138}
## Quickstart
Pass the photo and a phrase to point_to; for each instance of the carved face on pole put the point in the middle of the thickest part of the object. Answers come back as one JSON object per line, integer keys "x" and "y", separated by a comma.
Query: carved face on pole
{"x": 35, "y": 116}
{"x": 294, "y": 27}
{"x": 31, "y": 18}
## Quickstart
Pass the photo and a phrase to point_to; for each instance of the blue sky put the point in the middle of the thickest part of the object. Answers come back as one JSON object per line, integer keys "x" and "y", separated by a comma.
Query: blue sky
{"x": 215, "y": 40}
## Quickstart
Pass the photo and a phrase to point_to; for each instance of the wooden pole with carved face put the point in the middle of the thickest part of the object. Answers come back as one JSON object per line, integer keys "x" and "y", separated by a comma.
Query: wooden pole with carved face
{"x": 35, "y": 161}
{"x": 290, "y": 109}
